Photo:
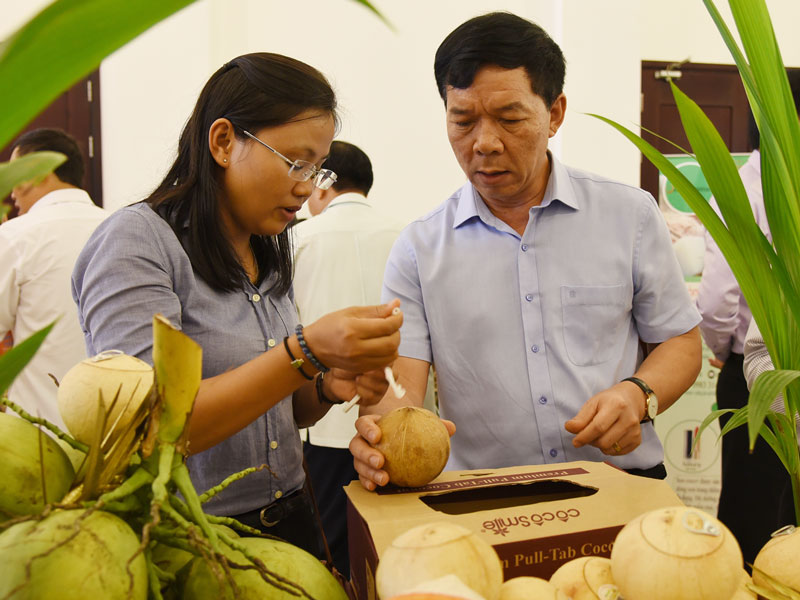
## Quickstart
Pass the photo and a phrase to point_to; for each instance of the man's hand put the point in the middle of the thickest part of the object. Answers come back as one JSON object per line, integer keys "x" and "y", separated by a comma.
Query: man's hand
{"x": 610, "y": 420}
{"x": 343, "y": 385}
{"x": 366, "y": 459}
{"x": 715, "y": 362}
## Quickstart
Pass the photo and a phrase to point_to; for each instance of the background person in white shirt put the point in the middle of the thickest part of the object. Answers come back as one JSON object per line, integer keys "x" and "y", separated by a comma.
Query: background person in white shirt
{"x": 340, "y": 256}
{"x": 38, "y": 250}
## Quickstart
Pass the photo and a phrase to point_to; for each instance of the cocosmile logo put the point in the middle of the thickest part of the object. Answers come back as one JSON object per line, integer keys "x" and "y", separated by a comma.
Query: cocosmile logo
{"x": 501, "y": 525}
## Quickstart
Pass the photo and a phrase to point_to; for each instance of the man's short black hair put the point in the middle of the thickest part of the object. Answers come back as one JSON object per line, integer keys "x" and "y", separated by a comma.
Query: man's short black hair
{"x": 352, "y": 167}
{"x": 55, "y": 140}
{"x": 505, "y": 40}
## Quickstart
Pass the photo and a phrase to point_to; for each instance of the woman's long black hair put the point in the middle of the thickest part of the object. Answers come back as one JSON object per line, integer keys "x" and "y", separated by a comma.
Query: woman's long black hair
{"x": 253, "y": 91}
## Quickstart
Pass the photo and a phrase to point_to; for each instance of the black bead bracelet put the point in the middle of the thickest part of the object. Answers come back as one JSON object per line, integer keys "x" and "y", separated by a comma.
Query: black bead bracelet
{"x": 307, "y": 351}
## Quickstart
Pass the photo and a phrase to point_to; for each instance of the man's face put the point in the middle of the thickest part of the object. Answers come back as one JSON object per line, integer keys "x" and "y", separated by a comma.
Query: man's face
{"x": 25, "y": 194}
{"x": 498, "y": 129}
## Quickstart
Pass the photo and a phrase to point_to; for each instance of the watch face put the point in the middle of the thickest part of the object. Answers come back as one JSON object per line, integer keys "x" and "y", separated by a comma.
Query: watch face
{"x": 652, "y": 406}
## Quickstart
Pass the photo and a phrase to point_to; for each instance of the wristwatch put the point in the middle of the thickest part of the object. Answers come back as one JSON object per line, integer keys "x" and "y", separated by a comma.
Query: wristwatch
{"x": 651, "y": 404}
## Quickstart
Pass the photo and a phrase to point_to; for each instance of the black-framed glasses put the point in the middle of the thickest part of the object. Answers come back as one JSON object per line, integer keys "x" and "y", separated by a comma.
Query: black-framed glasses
{"x": 302, "y": 170}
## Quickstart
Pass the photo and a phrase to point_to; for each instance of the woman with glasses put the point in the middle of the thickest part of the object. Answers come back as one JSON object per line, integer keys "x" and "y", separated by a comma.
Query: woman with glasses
{"x": 209, "y": 250}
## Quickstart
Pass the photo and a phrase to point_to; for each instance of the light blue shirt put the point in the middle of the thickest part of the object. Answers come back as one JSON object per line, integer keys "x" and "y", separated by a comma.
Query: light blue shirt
{"x": 524, "y": 330}
{"x": 133, "y": 267}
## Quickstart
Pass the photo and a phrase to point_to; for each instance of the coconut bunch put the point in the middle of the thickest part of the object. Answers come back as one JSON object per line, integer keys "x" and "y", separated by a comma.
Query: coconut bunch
{"x": 125, "y": 521}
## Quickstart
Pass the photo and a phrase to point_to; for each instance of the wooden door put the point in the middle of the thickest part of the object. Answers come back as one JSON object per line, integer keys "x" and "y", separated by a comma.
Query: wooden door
{"x": 717, "y": 89}
{"x": 76, "y": 111}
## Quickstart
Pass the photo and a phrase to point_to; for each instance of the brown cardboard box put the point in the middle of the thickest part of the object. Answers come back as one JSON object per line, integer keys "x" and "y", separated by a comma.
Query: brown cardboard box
{"x": 536, "y": 517}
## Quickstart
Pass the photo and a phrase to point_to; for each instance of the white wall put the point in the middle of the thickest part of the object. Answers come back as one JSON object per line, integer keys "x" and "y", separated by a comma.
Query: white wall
{"x": 384, "y": 79}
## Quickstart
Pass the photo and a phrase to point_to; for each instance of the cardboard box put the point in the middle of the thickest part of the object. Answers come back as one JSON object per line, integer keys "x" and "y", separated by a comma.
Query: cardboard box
{"x": 536, "y": 517}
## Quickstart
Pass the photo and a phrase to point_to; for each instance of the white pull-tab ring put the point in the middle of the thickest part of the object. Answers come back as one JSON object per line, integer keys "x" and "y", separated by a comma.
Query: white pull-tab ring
{"x": 708, "y": 527}
{"x": 106, "y": 354}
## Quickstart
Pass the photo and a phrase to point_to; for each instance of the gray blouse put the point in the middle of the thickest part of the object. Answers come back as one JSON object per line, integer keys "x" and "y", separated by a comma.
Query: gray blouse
{"x": 132, "y": 267}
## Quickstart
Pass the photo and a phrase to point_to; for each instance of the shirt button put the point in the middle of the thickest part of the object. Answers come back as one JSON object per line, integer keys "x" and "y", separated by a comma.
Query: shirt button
{"x": 542, "y": 400}
{"x": 528, "y": 297}
{"x": 279, "y": 493}
{"x": 534, "y": 349}
{"x": 524, "y": 247}
{"x": 553, "y": 453}
{"x": 271, "y": 343}
{"x": 256, "y": 298}
{"x": 273, "y": 444}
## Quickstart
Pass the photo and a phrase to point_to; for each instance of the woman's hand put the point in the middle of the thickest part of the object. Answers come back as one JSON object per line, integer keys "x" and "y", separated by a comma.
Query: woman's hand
{"x": 357, "y": 339}
{"x": 339, "y": 384}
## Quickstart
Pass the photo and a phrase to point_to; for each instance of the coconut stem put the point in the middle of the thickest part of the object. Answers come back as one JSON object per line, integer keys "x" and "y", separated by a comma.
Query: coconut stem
{"x": 153, "y": 579}
{"x": 208, "y": 494}
{"x": 234, "y": 524}
{"x": 180, "y": 476}
{"x": 44, "y": 423}
{"x": 139, "y": 479}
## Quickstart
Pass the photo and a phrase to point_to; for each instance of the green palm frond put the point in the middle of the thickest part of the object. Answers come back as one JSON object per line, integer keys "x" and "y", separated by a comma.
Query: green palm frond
{"x": 768, "y": 272}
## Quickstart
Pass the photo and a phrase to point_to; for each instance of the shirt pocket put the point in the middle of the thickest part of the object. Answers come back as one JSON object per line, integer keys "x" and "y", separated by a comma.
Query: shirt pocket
{"x": 594, "y": 319}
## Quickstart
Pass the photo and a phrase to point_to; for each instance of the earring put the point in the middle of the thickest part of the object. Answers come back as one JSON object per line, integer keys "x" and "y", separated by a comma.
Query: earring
{"x": 224, "y": 160}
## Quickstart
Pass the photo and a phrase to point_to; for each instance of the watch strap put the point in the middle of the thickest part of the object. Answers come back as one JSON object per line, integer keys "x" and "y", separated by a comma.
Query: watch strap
{"x": 648, "y": 392}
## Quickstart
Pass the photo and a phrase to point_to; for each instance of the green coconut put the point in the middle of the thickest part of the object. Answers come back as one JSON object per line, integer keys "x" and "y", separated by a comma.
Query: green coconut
{"x": 291, "y": 563}
{"x": 26, "y": 485}
{"x": 171, "y": 559}
{"x": 72, "y": 555}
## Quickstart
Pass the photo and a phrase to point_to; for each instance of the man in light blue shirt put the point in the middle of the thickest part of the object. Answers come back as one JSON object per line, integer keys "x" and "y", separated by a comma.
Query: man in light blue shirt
{"x": 537, "y": 290}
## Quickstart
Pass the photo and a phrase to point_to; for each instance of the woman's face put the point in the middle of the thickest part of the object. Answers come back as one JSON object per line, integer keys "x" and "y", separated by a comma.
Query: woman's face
{"x": 259, "y": 196}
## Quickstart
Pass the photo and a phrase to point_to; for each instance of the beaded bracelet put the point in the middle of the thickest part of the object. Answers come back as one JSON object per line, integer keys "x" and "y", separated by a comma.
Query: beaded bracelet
{"x": 320, "y": 394}
{"x": 307, "y": 351}
{"x": 297, "y": 363}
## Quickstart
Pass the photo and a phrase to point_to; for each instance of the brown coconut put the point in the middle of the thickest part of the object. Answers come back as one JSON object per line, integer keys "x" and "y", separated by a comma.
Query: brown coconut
{"x": 586, "y": 578}
{"x": 676, "y": 552}
{"x": 779, "y": 559}
{"x": 415, "y": 444}
{"x": 530, "y": 588}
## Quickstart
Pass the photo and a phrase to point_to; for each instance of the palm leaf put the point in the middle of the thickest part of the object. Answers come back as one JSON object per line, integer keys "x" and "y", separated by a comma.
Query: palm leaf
{"x": 768, "y": 273}
{"x": 65, "y": 42}
{"x": 767, "y": 387}
{"x": 13, "y": 361}
{"x": 27, "y": 168}
{"x": 34, "y": 66}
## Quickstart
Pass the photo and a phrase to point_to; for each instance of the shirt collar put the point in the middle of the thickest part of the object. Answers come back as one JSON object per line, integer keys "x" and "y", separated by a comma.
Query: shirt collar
{"x": 61, "y": 197}
{"x": 347, "y": 198}
{"x": 559, "y": 188}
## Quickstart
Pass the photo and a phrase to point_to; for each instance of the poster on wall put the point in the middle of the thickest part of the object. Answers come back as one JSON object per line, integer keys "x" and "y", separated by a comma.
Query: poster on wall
{"x": 693, "y": 460}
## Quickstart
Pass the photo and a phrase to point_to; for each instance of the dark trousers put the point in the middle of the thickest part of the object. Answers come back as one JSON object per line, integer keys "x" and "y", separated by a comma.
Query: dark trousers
{"x": 657, "y": 472}
{"x": 329, "y": 470}
{"x": 753, "y": 484}
{"x": 290, "y": 518}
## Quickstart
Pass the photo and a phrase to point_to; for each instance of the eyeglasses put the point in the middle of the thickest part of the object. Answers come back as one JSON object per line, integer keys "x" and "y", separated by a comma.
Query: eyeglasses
{"x": 302, "y": 170}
